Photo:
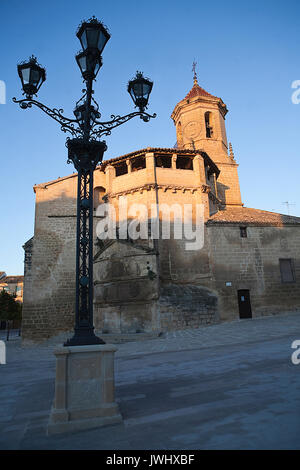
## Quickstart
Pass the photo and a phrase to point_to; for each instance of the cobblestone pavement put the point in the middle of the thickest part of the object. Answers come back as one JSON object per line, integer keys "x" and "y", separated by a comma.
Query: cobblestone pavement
{"x": 235, "y": 332}
{"x": 224, "y": 386}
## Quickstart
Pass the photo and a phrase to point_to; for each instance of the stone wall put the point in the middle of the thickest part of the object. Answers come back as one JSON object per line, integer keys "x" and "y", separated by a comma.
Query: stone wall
{"x": 125, "y": 294}
{"x": 49, "y": 292}
{"x": 252, "y": 263}
{"x": 50, "y": 263}
{"x": 187, "y": 288}
{"x": 187, "y": 306}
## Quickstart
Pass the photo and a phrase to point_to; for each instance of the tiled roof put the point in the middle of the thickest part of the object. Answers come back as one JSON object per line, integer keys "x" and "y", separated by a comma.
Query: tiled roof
{"x": 248, "y": 216}
{"x": 12, "y": 279}
{"x": 198, "y": 91}
{"x": 207, "y": 159}
{"x": 103, "y": 165}
{"x": 2, "y": 274}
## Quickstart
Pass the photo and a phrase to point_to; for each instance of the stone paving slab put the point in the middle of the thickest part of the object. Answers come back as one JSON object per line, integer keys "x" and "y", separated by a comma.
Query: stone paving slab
{"x": 225, "y": 386}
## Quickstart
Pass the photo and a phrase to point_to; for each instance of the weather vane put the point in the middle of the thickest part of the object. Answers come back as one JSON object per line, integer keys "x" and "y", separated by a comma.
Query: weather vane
{"x": 194, "y": 70}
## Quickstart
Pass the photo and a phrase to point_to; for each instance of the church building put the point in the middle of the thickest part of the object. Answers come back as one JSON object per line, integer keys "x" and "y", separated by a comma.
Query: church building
{"x": 247, "y": 266}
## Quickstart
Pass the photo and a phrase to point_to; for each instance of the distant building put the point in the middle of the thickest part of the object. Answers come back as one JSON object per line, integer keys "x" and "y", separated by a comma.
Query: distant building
{"x": 13, "y": 285}
{"x": 249, "y": 264}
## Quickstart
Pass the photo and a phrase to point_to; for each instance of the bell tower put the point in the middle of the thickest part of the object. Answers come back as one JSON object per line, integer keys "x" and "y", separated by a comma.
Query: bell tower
{"x": 200, "y": 125}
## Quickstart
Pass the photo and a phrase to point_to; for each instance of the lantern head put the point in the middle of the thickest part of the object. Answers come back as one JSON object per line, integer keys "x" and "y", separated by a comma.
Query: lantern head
{"x": 139, "y": 89}
{"x": 92, "y": 34}
{"x": 80, "y": 111}
{"x": 89, "y": 62}
{"x": 32, "y": 76}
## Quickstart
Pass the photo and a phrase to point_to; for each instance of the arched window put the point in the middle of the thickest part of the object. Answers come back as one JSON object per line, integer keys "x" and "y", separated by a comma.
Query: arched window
{"x": 99, "y": 192}
{"x": 208, "y": 124}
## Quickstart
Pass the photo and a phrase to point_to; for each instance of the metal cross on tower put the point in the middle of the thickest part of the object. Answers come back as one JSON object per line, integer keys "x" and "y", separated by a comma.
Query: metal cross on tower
{"x": 194, "y": 70}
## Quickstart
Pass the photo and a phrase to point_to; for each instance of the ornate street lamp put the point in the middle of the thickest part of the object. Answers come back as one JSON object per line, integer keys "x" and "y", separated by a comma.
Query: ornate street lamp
{"x": 93, "y": 35}
{"x": 139, "y": 89}
{"x": 85, "y": 151}
{"x": 89, "y": 62}
{"x": 79, "y": 113}
{"x": 32, "y": 76}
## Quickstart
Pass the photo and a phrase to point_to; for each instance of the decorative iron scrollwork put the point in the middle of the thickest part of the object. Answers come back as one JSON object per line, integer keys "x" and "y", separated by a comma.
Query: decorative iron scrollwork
{"x": 67, "y": 124}
{"x": 104, "y": 128}
{"x": 71, "y": 125}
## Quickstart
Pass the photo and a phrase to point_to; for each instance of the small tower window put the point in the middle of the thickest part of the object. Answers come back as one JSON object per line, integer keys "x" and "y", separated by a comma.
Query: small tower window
{"x": 208, "y": 124}
{"x": 121, "y": 168}
{"x": 243, "y": 232}
{"x": 163, "y": 161}
{"x": 184, "y": 163}
{"x": 138, "y": 163}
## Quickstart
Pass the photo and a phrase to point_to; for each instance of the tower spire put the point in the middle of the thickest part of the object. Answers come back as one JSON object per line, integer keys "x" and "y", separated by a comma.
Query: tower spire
{"x": 195, "y": 74}
{"x": 231, "y": 154}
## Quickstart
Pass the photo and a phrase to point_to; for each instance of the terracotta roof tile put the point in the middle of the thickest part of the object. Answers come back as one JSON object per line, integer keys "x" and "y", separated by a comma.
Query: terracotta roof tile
{"x": 153, "y": 150}
{"x": 248, "y": 216}
{"x": 173, "y": 150}
{"x": 13, "y": 279}
{"x": 198, "y": 91}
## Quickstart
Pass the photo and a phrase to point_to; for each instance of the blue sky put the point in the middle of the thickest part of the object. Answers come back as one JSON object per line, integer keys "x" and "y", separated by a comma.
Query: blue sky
{"x": 247, "y": 53}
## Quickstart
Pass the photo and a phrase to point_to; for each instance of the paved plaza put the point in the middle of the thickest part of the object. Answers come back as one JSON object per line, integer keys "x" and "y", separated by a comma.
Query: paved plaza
{"x": 226, "y": 386}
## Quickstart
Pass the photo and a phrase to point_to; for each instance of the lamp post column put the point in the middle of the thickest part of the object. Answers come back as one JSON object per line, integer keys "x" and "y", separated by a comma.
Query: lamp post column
{"x": 85, "y": 163}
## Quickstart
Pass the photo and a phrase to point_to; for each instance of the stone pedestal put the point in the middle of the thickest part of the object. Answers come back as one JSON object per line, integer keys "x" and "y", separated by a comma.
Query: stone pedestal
{"x": 84, "y": 389}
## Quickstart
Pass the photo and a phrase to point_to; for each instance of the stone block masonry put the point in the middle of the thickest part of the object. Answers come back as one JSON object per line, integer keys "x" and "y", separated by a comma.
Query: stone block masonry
{"x": 84, "y": 389}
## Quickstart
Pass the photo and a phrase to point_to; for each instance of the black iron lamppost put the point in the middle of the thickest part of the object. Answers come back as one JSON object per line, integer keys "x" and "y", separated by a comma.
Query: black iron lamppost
{"x": 85, "y": 150}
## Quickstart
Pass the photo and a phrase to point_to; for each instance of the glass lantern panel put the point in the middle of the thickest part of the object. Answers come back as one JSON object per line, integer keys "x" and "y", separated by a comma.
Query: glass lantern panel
{"x": 82, "y": 63}
{"x": 138, "y": 90}
{"x": 97, "y": 67}
{"x": 90, "y": 63}
{"x": 26, "y": 75}
{"x": 34, "y": 77}
{"x": 146, "y": 89}
{"x": 40, "y": 81}
{"x": 83, "y": 40}
{"x": 101, "y": 41}
{"x": 92, "y": 37}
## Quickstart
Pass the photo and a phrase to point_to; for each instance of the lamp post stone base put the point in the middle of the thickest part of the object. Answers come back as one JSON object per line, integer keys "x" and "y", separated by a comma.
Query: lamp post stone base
{"x": 84, "y": 389}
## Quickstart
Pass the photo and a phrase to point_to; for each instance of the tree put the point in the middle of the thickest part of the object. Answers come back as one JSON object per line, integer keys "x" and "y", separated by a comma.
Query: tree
{"x": 10, "y": 309}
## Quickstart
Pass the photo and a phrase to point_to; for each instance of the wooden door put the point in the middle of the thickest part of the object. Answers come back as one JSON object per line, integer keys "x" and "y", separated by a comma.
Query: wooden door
{"x": 244, "y": 303}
